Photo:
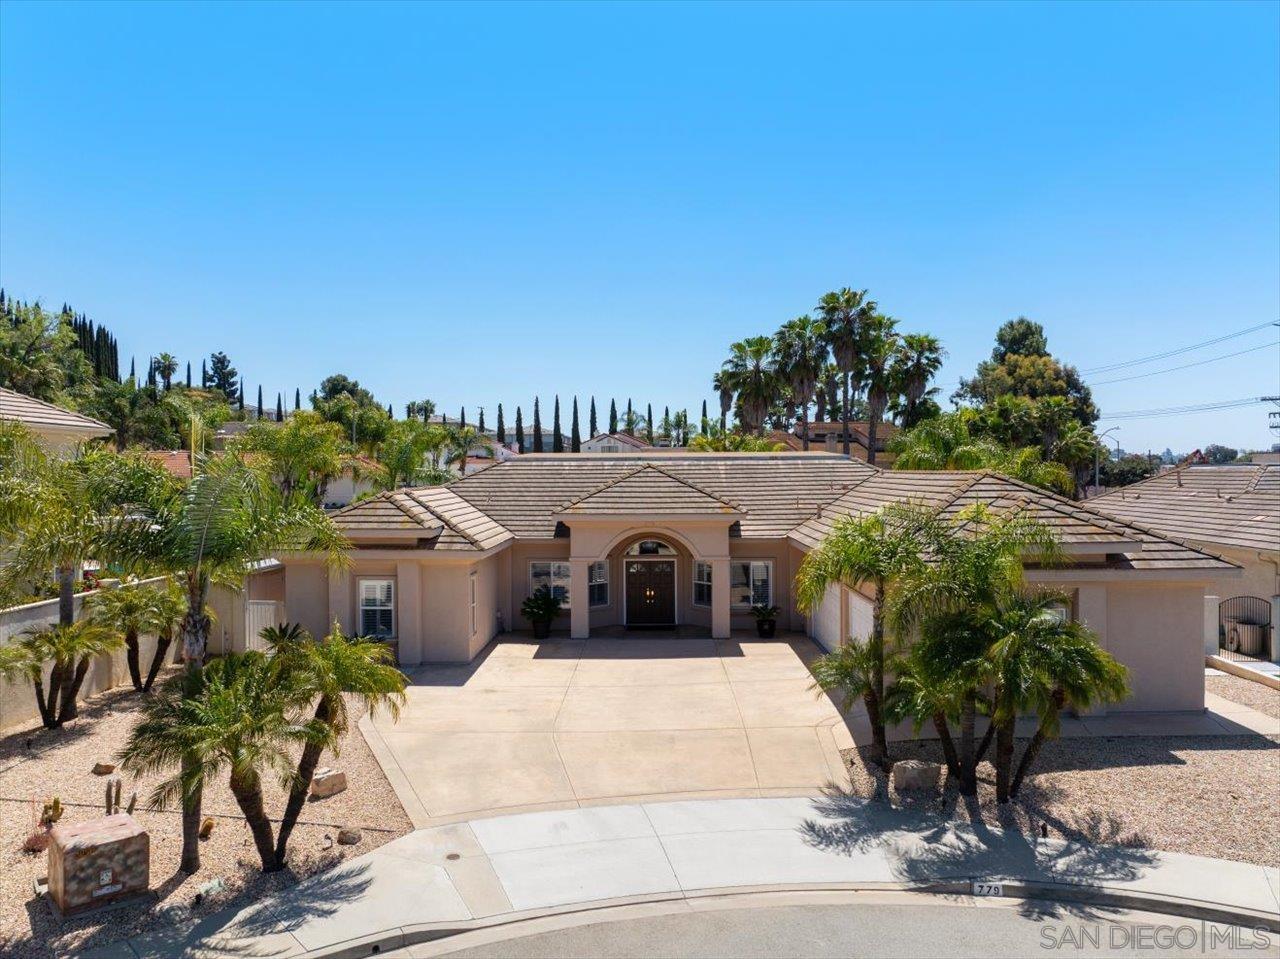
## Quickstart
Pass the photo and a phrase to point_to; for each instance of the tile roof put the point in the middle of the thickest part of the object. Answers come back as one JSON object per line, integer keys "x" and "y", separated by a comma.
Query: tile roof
{"x": 622, "y": 439}
{"x": 775, "y": 495}
{"x": 1075, "y": 524}
{"x": 436, "y": 512}
{"x": 176, "y": 462}
{"x": 1232, "y": 505}
{"x": 649, "y": 490}
{"x": 42, "y": 416}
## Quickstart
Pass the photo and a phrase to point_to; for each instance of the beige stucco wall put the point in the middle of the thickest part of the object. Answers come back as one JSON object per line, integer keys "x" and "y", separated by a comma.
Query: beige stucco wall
{"x": 1157, "y": 631}
{"x": 306, "y": 596}
{"x": 1259, "y": 577}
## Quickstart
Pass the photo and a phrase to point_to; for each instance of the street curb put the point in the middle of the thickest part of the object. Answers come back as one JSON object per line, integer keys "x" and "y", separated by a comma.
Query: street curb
{"x": 1013, "y": 889}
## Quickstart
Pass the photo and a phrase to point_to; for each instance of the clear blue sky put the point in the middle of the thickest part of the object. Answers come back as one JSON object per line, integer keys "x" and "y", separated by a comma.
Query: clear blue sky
{"x": 481, "y": 203}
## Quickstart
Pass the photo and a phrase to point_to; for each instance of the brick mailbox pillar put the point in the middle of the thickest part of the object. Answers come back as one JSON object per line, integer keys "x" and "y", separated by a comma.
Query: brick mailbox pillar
{"x": 97, "y": 862}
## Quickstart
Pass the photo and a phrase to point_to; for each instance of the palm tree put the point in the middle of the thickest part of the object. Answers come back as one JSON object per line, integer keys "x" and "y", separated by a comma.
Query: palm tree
{"x": 976, "y": 563}
{"x": 923, "y": 693}
{"x": 1041, "y": 662}
{"x": 845, "y": 312}
{"x": 166, "y": 366}
{"x": 70, "y": 647}
{"x": 716, "y": 440}
{"x": 304, "y": 455}
{"x": 801, "y": 350}
{"x": 879, "y": 347}
{"x": 134, "y": 610}
{"x": 749, "y": 373}
{"x": 462, "y": 443}
{"x": 918, "y": 359}
{"x": 871, "y": 550}
{"x": 947, "y": 442}
{"x": 227, "y": 518}
{"x": 720, "y": 384}
{"x": 234, "y": 715}
{"x": 328, "y": 671}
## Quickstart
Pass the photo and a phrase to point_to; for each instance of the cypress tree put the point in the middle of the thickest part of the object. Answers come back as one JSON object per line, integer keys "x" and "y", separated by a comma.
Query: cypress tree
{"x": 519, "y": 431}
{"x": 629, "y": 423}
{"x": 480, "y": 422}
{"x": 702, "y": 423}
{"x": 390, "y": 412}
{"x": 591, "y": 422}
{"x": 279, "y": 408}
{"x": 259, "y": 401}
{"x": 648, "y": 423}
{"x": 133, "y": 369}
{"x": 240, "y": 394}
{"x": 462, "y": 419}
{"x": 613, "y": 416}
{"x": 575, "y": 437}
{"x": 537, "y": 427}
{"x": 557, "y": 438}
{"x": 297, "y": 399}
{"x": 204, "y": 374}
{"x": 188, "y": 374}
{"x": 502, "y": 427}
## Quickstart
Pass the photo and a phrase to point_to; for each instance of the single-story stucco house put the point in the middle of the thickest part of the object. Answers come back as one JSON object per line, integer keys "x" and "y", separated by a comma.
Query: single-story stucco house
{"x": 57, "y": 429}
{"x": 656, "y": 540}
{"x": 1232, "y": 510}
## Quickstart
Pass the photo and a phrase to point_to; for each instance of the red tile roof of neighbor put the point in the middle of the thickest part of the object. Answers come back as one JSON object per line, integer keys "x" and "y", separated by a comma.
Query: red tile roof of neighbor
{"x": 771, "y": 495}
{"x": 176, "y": 462}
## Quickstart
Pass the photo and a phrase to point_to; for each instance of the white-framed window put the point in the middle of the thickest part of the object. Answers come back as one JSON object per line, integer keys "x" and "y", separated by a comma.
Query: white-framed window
{"x": 701, "y": 584}
{"x": 471, "y": 585}
{"x": 551, "y": 574}
{"x": 751, "y": 583}
{"x": 377, "y": 607}
{"x": 598, "y": 584}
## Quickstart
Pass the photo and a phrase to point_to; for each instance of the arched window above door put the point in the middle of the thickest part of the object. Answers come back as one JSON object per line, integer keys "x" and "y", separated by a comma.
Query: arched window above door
{"x": 650, "y": 547}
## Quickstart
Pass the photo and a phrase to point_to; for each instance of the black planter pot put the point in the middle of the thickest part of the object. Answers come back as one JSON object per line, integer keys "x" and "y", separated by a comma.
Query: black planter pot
{"x": 541, "y": 629}
{"x": 765, "y": 628}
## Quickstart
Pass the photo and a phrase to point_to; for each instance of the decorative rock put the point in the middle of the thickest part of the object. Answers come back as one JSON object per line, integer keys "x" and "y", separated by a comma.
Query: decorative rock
{"x": 97, "y": 862}
{"x": 349, "y": 836}
{"x": 103, "y": 769}
{"x": 916, "y": 774}
{"x": 328, "y": 782}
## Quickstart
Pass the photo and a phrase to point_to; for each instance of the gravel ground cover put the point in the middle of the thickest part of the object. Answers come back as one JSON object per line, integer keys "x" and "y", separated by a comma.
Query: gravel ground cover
{"x": 1207, "y": 795}
{"x": 37, "y": 764}
{"x": 1246, "y": 692}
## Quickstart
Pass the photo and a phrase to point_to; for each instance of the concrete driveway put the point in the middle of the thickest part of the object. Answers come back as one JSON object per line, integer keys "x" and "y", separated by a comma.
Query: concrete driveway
{"x": 567, "y": 723}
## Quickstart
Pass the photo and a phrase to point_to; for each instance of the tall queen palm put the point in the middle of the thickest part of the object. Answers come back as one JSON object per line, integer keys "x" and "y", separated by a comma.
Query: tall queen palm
{"x": 919, "y": 358}
{"x": 845, "y": 312}
{"x": 212, "y": 531}
{"x": 879, "y": 346}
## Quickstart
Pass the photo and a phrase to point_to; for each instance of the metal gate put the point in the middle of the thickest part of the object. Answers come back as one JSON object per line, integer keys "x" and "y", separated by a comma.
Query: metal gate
{"x": 259, "y": 614}
{"x": 1244, "y": 628}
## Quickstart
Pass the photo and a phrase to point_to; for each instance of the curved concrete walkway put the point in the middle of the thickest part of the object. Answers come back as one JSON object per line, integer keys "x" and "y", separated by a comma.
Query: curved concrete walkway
{"x": 563, "y": 723}
{"x": 489, "y": 872}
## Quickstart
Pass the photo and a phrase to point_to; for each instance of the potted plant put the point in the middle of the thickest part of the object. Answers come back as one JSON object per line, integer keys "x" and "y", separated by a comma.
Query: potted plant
{"x": 540, "y": 609}
{"x": 766, "y": 620}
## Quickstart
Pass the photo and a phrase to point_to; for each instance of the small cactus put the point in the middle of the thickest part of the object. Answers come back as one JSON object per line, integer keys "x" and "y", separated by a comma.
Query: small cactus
{"x": 206, "y": 827}
{"x": 112, "y": 799}
{"x": 133, "y": 802}
{"x": 52, "y": 812}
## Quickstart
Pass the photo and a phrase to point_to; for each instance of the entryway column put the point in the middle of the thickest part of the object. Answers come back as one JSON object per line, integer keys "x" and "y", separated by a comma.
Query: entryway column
{"x": 409, "y": 612}
{"x": 721, "y": 625}
{"x": 580, "y": 601}
{"x": 1091, "y": 611}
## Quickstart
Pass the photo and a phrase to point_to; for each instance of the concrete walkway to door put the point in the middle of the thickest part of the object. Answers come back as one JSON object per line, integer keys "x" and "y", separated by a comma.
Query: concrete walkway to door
{"x": 566, "y": 723}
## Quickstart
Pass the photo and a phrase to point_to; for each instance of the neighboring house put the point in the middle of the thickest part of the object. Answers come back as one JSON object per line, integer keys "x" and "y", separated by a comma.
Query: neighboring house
{"x": 58, "y": 429}
{"x": 654, "y": 540}
{"x": 176, "y": 462}
{"x": 829, "y": 435}
{"x": 613, "y": 443}
{"x": 354, "y": 482}
{"x": 1233, "y": 510}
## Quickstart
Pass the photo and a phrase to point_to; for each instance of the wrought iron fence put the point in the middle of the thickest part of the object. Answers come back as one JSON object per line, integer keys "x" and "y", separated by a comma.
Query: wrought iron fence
{"x": 1244, "y": 628}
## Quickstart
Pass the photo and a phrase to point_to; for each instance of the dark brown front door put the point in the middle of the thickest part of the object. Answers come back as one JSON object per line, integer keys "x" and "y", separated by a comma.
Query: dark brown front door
{"x": 651, "y": 592}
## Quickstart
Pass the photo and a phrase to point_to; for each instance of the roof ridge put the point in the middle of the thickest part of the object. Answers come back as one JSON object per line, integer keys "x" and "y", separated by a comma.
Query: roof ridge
{"x": 602, "y": 487}
{"x": 693, "y": 486}
{"x": 383, "y": 494}
{"x": 412, "y": 493}
{"x": 640, "y": 469}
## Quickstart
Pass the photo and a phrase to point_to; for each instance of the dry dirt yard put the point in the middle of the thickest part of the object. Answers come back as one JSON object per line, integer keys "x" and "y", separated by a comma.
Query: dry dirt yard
{"x": 1210, "y": 796}
{"x": 38, "y": 764}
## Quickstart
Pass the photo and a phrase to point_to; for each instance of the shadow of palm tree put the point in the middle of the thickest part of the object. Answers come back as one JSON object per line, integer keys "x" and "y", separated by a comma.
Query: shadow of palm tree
{"x": 924, "y": 845}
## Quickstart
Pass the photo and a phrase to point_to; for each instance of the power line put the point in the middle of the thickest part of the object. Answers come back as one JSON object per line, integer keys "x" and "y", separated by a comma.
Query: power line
{"x": 1185, "y": 349}
{"x": 1185, "y": 366}
{"x": 1182, "y": 410}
